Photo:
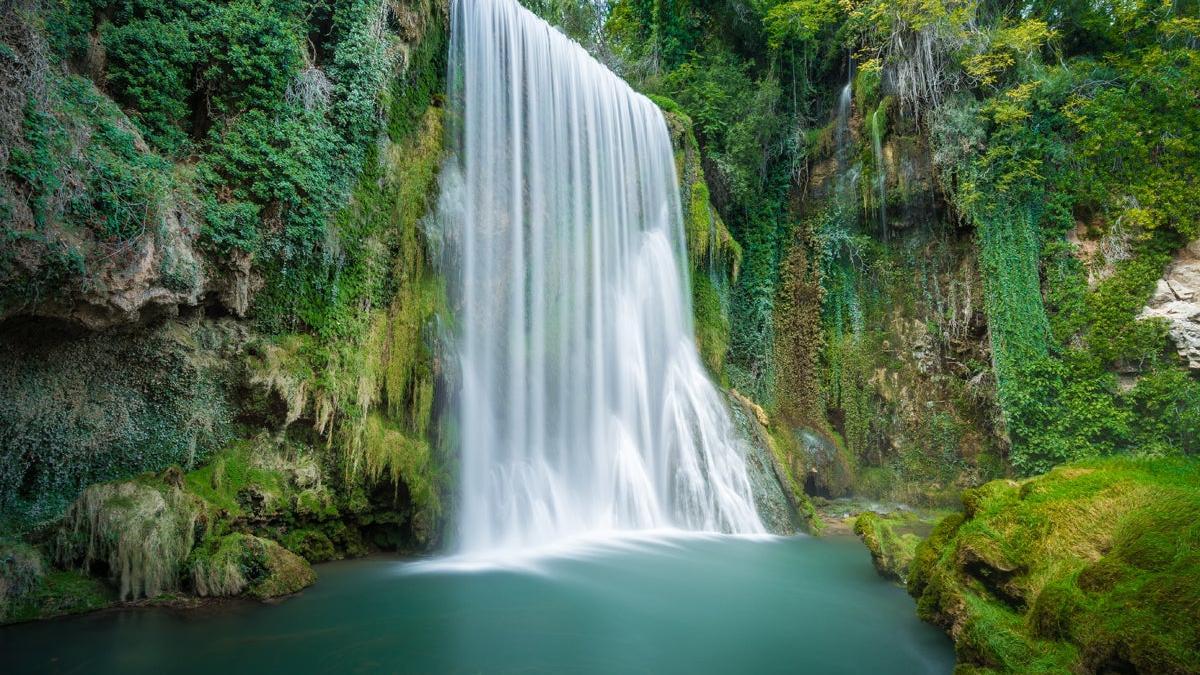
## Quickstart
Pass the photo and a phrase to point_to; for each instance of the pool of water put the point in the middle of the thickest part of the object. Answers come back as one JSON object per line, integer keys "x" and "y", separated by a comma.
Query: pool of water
{"x": 643, "y": 605}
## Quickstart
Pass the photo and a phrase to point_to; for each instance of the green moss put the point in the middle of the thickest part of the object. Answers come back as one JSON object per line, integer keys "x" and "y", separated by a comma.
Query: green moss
{"x": 241, "y": 563}
{"x": 1089, "y": 567}
{"x": 245, "y": 467}
{"x": 59, "y": 593}
{"x": 712, "y": 322}
{"x": 892, "y": 547}
{"x": 714, "y": 256}
{"x": 312, "y": 545}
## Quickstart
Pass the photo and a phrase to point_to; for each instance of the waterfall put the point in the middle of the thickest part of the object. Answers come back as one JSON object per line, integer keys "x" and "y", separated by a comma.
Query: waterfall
{"x": 584, "y": 405}
{"x": 842, "y": 138}
{"x": 880, "y": 169}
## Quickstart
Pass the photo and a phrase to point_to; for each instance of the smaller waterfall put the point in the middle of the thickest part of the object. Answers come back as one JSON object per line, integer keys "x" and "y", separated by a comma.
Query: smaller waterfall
{"x": 843, "y": 126}
{"x": 877, "y": 121}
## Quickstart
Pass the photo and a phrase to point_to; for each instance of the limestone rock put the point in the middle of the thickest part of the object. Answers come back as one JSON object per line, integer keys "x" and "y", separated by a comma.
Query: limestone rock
{"x": 150, "y": 277}
{"x": 1177, "y": 301}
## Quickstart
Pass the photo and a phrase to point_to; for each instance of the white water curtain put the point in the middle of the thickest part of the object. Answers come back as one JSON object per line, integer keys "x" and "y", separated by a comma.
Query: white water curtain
{"x": 584, "y": 404}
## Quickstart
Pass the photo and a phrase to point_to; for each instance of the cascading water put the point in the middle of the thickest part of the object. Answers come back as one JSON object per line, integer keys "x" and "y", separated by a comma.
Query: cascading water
{"x": 880, "y": 169}
{"x": 842, "y": 122}
{"x": 584, "y": 405}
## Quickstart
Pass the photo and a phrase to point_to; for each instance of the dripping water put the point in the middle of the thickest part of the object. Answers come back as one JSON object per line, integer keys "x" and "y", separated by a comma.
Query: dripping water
{"x": 877, "y": 121}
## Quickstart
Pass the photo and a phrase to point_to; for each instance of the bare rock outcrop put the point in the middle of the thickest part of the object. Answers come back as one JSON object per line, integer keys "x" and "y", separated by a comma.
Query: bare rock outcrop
{"x": 1177, "y": 300}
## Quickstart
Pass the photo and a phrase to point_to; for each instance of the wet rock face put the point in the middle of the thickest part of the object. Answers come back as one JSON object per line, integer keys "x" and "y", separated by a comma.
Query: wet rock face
{"x": 1177, "y": 300}
{"x": 768, "y": 479}
{"x": 828, "y": 475}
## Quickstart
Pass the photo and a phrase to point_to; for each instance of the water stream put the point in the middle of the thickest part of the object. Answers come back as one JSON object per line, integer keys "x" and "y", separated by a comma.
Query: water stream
{"x": 584, "y": 406}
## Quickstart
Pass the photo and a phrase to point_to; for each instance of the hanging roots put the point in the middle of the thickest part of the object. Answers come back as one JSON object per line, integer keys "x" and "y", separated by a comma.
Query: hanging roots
{"x": 141, "y": 533}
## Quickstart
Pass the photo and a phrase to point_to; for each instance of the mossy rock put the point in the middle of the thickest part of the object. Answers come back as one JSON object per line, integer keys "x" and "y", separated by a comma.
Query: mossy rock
{"x": 31, "y": 589}
{"x": 244, "y": 564}
{"x": 140, "y": 530}
{"x": 312, "y": 545}
{"x": 1091, "y": 567}
{"x": 892, "y": 548}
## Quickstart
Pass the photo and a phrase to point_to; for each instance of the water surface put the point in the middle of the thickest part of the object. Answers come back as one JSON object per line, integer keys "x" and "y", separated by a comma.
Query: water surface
{"x": 651, "y": 605}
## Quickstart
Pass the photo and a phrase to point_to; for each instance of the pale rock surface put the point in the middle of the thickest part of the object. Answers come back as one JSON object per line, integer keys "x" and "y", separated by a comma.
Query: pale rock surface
{"x": 1177, "y": 300}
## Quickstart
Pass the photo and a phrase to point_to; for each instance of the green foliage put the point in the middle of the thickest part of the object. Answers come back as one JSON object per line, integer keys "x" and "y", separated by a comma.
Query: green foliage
{"x": 286, "y": 163}
{"x": 149, "y": 68}
{"x": 734, "y": 119}
{"x": 800, "y": 22}
{"x": 230, "y": 225}
{"x": 1044, "y": 164}
{"x": 35, "y": 164}
{"x": 1063, "y": 411}
{"x": 253, "y": 52}
{"x": 126, "y": 185}
{"x": 1007, "y": 44}
{"x": 656, "y": 35}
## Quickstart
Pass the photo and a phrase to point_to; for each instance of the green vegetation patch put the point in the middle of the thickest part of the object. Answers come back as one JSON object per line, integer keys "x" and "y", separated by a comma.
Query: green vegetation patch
{"x": 892, "y": 540}
{"x": 30, "y": 589}
{"x": 242, "y": 563}
{"x": 1090, "y": 566}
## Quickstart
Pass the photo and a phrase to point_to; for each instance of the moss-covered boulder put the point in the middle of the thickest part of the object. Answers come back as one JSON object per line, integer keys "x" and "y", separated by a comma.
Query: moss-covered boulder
{"x": 891, "y": 539}
{"x": 138, "y": 531}
{"x": 1089, "y": 568}
{"x": 242, "y": 563}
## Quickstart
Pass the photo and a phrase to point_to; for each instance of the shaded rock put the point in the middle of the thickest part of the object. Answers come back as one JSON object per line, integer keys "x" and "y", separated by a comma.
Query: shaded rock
{"x": 828, "y": 473}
